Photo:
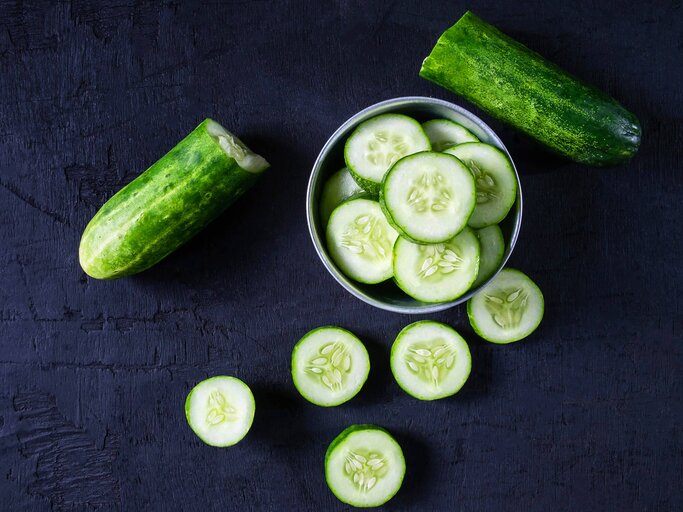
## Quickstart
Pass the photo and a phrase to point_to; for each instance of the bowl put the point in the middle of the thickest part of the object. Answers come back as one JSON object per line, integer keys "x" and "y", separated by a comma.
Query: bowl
{"x": 387, "y": 295}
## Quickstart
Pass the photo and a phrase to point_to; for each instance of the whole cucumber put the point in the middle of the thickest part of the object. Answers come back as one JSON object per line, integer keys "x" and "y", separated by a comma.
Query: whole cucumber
{"x": 519, "y": 87}
{"x": 169, "y": 203}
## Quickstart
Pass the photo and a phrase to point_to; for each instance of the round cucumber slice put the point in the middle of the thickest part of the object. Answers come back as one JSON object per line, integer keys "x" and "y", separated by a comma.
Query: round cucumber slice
{"x": 337, "y": 189}
{"x": 364, "y": 466}
{"x": 508, "y": 309}
{"x": 220, "y": 410}
{"x": 430, "y": 360}
{"x": 360, "y": 241}
{"x": 376, "y": 144}
{"x": 329, "y": 366}
{"x": 428, "y": 197}
{"x": 437, "y": 272}
{"x": 492, "y": 245}
{"x": 494, "y": 178}
{"x": 443, "y": 134}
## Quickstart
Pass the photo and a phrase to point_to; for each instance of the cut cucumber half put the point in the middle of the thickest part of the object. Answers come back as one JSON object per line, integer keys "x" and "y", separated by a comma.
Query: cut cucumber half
{"x": 437, "y": 272}
{"x": 492, "y": 246}
{"x": 329, "y": 366}
{"x": 360, "y": 241}
{"x": 443, "y": 134}
{"x": 430, "y": 360}
{"x": 220, "y": 410}
{"x": 508, "y": 309}
{"x": 337, "y": 189}
{"x": 376, "y": 144}
{"x": 364, "y": 466}
{"x": 494, "y": 178}
{"x": 428, "y": 197}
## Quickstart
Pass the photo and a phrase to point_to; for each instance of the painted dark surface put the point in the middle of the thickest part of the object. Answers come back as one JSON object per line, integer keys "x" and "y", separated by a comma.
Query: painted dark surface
{"x": 584, "y": 415}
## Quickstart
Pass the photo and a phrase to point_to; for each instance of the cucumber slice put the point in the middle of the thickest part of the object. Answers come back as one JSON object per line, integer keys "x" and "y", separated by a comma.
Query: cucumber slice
{"x": 364, "y": 466}
{"x": 220, "y": 410}
{"x": 494, "y": 178}
{"x": 430, "y": 360}
{"x": 360, "y": 241}
{"x": 508, "y": 309}
{"x": 329, "y": 366}
{"x": 492, "y": 246}
{"x": 444, "y": 133}
{"x": 337, "y": 189}
{"x": 437, "y": 272}
{"x": 376, "y": 144}
{"x": 428, "y": 197}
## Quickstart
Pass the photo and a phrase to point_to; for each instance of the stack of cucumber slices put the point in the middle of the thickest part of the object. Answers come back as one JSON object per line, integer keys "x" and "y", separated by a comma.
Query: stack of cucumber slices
{"x": 420, "y": 204}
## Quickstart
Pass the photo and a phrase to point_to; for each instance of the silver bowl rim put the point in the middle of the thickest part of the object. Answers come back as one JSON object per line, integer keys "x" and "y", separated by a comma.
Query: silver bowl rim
{"x": 347, "y": 283}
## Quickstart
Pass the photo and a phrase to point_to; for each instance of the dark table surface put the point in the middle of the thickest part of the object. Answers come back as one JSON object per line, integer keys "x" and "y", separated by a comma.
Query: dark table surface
{"x": 583, "y": 415}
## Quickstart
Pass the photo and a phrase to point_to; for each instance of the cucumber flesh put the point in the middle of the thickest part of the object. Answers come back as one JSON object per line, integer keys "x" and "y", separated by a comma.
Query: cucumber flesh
{"x": 428, "y": 197}
{"x": 360, "y": 241}
{"x": 492, "y": 245}
{"x": 329, "y": 366}
{"x": 437, "y": 272}
{"x": 430, "y": 360}
{"x": 443, "y": 134}
{"x": 494, "y": 178}
{"x": 364, "y": 466}
{"x": 376, "y": 144}
{"x": 338, "y": 188}
{"x": 220, "y": 410}
{"x": 507, "y": 309}
{"x": 236, "y": 149}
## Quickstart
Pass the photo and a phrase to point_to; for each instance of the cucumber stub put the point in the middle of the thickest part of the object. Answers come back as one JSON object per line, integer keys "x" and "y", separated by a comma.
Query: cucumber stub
{"x": 507, "y": 309}
{"x": 444, "y": 133}
{"x": 364, "y": 466}
{"x": 360, "y": 241}
{"x": 376, "y": 144}
{"x": 492, "y": 245}
{"x": 220, "y": 410}
{"x": 338, "y": 188}
{"x": 430, "y": 360}
{"x": 494, "y": 178}
{"x": 428, "y": 197}
{"x": 329, "y": 366}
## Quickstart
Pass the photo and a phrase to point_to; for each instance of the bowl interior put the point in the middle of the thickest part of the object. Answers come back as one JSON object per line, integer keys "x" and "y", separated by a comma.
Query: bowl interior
{"x": 387, "y": 295}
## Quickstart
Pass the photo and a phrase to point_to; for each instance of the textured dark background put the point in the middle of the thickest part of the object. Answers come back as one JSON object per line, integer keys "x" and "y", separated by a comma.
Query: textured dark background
{"x": 584, "y": 415}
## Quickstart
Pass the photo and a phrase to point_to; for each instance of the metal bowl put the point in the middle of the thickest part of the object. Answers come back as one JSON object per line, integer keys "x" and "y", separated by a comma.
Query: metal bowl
{"x": 387, "y": 295}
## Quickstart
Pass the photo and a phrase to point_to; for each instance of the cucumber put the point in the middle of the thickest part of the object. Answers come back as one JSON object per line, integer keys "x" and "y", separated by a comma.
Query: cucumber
{"x": 428, "y": 197}
{"x": 220, "y": 410}
{"x": 364, "y": 466}
{"x": 338, "y": 188}
{"x": 360, "y": 241}
{"x": 430, "y": 360}
{"x": 437, "y": 272}
{"x": 169, "y": 203}
{"x": 443, "y": 133}
{"x": 329, "y": 366}
{"x": 492, "y": 246}
{"x": 376, "y": 144}
{"x": 494, "y": 178}
{"x": 521, "y": 88}
{"x": 507, "y": 309}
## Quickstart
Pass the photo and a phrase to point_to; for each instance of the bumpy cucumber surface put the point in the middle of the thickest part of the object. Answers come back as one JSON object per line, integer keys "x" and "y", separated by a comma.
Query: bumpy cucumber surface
{"x": 376, "y": 144}
{"x": 507, "y": 309}
{"x": 492, "y": 245}
{"x": 169, "y": 203}
{"x": 364, "y": 466}
{"x": 329, "y": 366}
{"x": 338, "y": 188}
{"x": 430, "y": 360}
{"x": 220, "y": 410}
{"x": 444, "y": 133}
{"x": 428, "y": 197}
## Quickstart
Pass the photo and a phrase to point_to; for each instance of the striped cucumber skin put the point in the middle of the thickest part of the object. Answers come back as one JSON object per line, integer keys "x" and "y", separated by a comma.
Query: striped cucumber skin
{"x": 520, "y": 87}
{"x": 163, "y": 207}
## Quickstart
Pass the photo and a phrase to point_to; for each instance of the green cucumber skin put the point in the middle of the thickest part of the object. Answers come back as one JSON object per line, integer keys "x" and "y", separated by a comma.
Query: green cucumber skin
{"x": 162, "y": 208}
{"x": 520, "y": 87}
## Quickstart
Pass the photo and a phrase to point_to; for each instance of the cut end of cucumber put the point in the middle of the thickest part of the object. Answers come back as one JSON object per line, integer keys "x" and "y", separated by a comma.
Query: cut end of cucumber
{"x": 236, "y": 149}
